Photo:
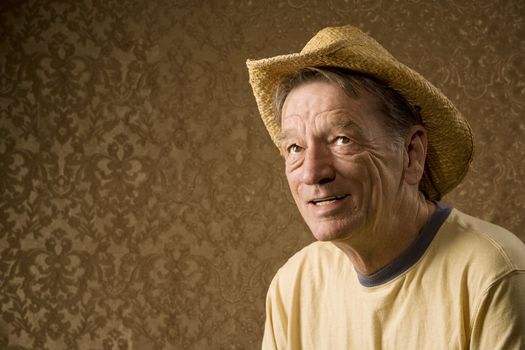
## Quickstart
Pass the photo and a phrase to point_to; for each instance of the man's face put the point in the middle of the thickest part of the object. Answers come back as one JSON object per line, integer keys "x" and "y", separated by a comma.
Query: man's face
{"x": 344, "y": 171}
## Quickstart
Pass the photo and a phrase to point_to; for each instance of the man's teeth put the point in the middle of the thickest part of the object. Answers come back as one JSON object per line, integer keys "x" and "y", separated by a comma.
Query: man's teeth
{"x": 325, "y": 202}
{"x": 328, "y": 200}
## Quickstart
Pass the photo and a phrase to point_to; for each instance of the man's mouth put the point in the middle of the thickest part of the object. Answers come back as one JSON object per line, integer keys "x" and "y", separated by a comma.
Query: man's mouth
{"x": 328, "y": 200}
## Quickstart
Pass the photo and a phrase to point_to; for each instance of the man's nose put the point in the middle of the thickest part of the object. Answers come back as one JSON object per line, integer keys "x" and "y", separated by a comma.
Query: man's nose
{"x": 318, "y": 166}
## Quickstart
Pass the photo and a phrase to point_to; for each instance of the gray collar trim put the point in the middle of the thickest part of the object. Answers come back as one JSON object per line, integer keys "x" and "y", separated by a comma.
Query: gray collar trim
{"x": 412, "y": 254}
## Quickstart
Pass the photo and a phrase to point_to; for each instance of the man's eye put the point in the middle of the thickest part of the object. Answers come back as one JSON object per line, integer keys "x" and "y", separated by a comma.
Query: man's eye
{"x": 294, "y": 149}
{"x": 342, "y": 140}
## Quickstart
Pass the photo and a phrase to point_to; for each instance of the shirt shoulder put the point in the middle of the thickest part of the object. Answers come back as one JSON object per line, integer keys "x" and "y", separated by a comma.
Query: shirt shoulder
{"x": 471, "y": 254}
{"x": 489, "y": 246}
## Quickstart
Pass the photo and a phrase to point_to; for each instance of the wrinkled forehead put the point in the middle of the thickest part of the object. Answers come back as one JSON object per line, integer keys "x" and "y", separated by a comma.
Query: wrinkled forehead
{"x": 325, "y": 104}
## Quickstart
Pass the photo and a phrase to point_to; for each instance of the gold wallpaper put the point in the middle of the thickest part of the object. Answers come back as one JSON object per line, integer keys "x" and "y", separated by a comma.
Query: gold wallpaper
{"x": 143, "y": 205}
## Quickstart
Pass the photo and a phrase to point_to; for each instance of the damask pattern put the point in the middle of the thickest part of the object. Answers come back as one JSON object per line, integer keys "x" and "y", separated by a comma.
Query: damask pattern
{"x": 143, "y": 205}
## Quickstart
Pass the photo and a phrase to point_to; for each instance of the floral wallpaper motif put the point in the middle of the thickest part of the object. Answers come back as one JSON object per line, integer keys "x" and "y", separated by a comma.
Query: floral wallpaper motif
{"x": 143, "y": 205}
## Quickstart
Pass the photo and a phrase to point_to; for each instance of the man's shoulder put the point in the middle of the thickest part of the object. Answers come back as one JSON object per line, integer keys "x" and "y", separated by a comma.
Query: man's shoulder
{"x": 482, "y": 243}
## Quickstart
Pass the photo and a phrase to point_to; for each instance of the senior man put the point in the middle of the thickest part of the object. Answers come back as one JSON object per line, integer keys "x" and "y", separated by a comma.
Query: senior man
{"x": 370, "y": 147}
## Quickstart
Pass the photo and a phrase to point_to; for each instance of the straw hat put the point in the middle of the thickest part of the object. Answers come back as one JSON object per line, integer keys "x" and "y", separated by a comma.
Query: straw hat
{"x": 450, "y": 144}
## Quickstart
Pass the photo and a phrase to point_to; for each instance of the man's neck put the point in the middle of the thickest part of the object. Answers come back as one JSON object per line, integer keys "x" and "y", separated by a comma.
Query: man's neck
{"x": 388, "y": 242}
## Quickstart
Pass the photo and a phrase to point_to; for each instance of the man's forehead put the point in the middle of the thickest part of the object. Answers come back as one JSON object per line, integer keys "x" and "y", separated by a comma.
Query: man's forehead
{"x": 326, "y": 103}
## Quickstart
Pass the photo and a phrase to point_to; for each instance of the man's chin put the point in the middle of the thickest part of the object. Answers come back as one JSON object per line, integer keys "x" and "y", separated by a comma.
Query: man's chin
{"x": 330, "y": 230}
{"x": 329, "y": 235}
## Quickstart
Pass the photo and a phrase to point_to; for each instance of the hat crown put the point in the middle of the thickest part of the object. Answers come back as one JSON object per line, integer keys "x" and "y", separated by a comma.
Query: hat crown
{"x": 334, "y": 38}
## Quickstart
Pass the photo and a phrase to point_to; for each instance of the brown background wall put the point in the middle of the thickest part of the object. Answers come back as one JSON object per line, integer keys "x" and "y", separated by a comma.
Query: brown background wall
{"x": 142, "y": 204}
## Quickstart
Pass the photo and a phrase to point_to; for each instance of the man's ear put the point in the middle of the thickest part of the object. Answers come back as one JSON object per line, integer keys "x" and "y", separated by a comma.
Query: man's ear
{"x": 415, "y": 154}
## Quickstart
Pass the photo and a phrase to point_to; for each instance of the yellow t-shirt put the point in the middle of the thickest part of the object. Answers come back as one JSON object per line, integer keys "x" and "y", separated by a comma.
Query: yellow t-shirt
{"x": 465, "y": 291}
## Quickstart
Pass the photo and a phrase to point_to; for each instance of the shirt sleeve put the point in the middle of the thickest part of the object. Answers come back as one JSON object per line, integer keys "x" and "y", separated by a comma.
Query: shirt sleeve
{"x": 276, "y": 321}
{"x": 499, "y": 321}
